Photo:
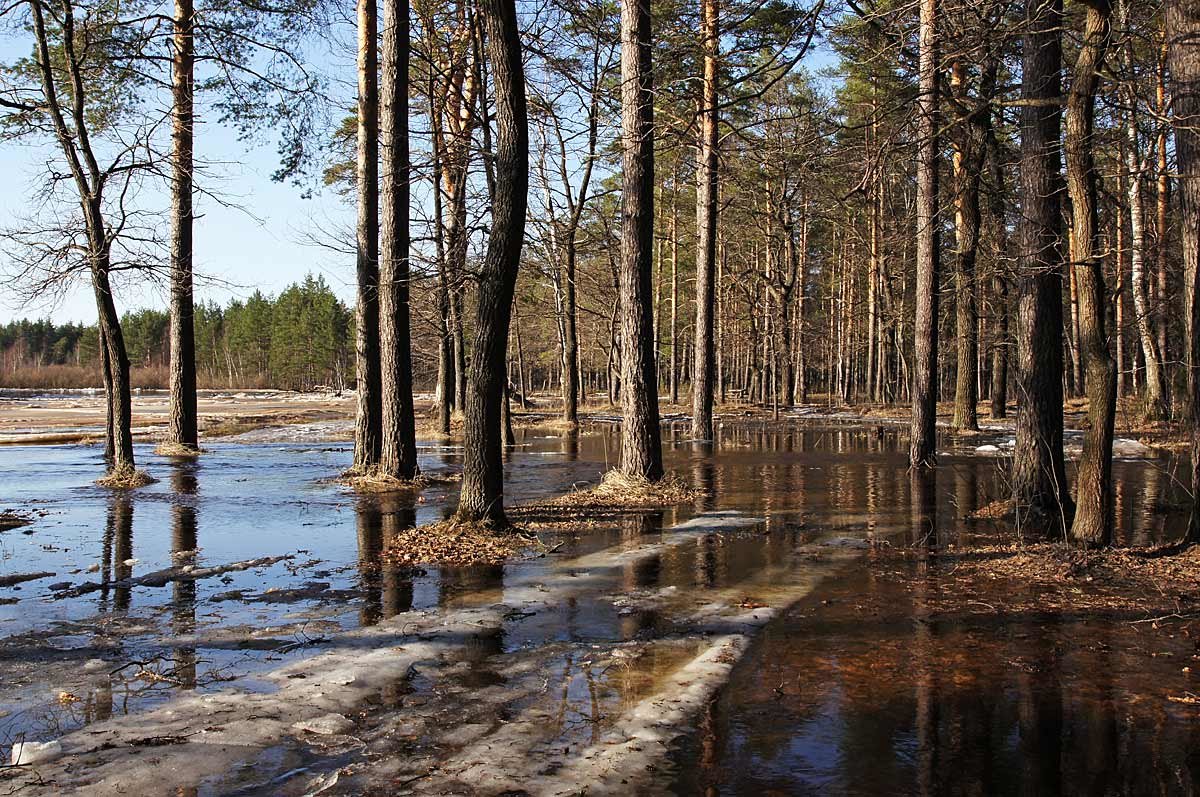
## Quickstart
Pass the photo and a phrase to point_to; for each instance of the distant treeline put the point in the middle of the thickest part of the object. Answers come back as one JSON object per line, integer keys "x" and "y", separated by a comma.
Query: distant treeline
{"x": 298, "y": 340}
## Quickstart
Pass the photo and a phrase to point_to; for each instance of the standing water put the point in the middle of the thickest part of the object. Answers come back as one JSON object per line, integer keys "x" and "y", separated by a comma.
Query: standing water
{"x": 606, "y": 616}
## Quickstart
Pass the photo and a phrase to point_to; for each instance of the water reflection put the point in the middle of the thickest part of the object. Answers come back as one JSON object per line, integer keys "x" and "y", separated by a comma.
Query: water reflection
{"x": 386, "y": 586}
{"x": 866, "y": 689}
{"x": 184, "y": 550}
{"x": 117, "y": 552}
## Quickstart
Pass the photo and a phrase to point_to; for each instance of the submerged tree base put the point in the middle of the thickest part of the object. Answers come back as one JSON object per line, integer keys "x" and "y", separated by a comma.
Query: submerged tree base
{"x": 375, "y": 481}
{"x": 172, "y": 449}
{"x": 126, "y": 477}
{"x": 620, "y": 490}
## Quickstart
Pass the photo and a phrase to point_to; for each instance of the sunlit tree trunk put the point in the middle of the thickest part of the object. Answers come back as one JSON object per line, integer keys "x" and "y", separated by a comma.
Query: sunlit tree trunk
{"x": 398, "y": 446}
{"x": 968, "y": 169}
{"x": 1093, "y": 523}
{"x": 182, "y": 427}
{"x": 1162, "y": 200}
{"x": 674, "y": 375}
{"x": 641, "y": 445}
{"x": 923, "y": 436}
{"x": 366, "y": 318}
{"x": 1156, "y": 390}
{"x": 703, "y": 360}
{"x": 482, "y": 495}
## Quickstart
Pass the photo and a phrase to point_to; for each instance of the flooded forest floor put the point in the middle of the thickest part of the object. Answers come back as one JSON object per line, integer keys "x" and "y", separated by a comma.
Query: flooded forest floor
{"x": 813, "y": 620}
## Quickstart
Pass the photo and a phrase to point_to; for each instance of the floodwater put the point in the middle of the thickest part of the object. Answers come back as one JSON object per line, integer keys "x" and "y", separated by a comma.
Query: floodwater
{"x": 822, "y": 703}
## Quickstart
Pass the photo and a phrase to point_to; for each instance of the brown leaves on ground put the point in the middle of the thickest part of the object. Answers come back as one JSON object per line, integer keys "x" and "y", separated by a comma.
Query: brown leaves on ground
{"x": 621, "y": 491}
{"x": 996, "y": 510}
{"x": 457, "y": 543}
{"x": 1053, "y": 577}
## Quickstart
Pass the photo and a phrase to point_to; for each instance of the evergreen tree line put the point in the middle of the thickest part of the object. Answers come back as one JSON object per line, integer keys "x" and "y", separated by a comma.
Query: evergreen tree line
{"x": 298, "y": 340}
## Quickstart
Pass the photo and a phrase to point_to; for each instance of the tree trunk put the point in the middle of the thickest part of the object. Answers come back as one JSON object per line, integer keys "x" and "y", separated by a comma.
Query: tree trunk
{"x": 703, "y": 361}
{"x": 968, "y": 168}
{"x": 118, "y": 393}
{"x": 1039, "y": 474}
{"x": 641, "y": 445}
{"x": 444, "y": 395}
{"x": 1093, "y": 523}
{"x": 182, "y": 427}
{"x": 482, "y": 495}
{"x": 570, "y": 338}
{"x": 366, "y": 319}
{"x": 398, "y": 445}
{"x": 1162, "y": 203}
{"x": 674, "y": 375}
{"x": 1156, "y": 393}
{"x": 1183, "y": 34}
{"x": 923, "y": 437}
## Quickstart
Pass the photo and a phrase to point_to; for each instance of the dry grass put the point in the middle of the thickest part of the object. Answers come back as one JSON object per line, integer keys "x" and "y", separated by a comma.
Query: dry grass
{"x": 125, "y": 478}
{"x": 620, "y": 491}
{"x": 457, "y": 543}
{"x": 374, "y": 481}
{"x": 173, "y": 449}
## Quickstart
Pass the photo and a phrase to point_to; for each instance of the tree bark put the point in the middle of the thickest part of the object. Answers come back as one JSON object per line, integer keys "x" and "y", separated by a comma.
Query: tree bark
{"x": 674, "y": 375}
{"x": 1093, "y": 523}
{"x": 182, "y": 426}
{"x": 968, "y": 168}
{"x": 1039, "y": 474}
{"x": 641, "y": 444}
{"x": 1156, "y": 393}
{"x": 1183, "y": 35}
{"x": 703, "y": 361}
{"x": 118, "y": 394}
{"x": 398, "y": 445}
{"x": 482, "y": 495}
{"x": 367, "y": 423}
{"x": 923, "y": 437}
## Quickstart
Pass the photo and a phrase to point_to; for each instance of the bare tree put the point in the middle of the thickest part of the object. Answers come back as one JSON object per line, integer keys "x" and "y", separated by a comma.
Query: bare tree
{"x": 80, "y": 90}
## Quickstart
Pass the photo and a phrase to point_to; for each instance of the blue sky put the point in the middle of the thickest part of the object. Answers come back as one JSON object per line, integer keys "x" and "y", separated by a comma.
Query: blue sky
{"x": 235, "y": 252}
